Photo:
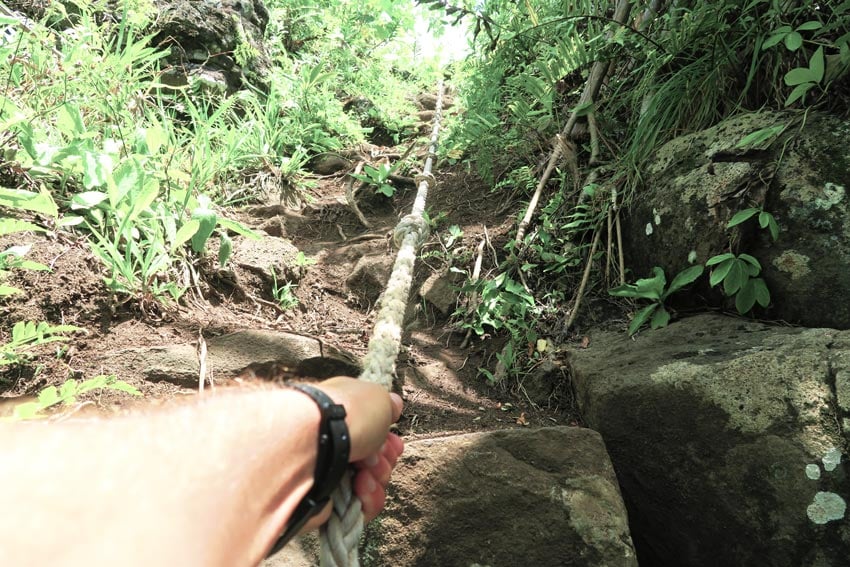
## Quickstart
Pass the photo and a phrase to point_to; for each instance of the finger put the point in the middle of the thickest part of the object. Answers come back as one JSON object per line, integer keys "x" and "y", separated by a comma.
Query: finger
{"x": 371, "y": 494}
{"x": 398, "y": 405}
{"x": 393, "y": 448}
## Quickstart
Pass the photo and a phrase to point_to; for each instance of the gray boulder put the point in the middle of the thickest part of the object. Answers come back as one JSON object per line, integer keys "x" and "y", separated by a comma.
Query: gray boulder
{"x": 213, "y": 42}
{"x": 259, "y": 353}
{"x": 514, "y": 497}
{"x": 696, "y": 183}
{"x": 727, "y": 437}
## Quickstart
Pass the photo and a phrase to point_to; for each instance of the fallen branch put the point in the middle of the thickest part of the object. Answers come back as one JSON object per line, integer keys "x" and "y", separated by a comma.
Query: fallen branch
{"x": 473, "y": 297}
{"x": 351, "y": 195}
{"x": 584, "y": 280}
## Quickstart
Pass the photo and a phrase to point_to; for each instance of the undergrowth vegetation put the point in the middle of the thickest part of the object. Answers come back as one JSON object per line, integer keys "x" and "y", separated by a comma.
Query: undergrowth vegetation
{"x": 101, "y": 143}
{"x": 598, "y": 87}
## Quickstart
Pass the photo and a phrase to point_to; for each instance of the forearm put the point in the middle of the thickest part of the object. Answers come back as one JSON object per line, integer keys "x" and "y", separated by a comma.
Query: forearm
{"x": 206, "y": 484}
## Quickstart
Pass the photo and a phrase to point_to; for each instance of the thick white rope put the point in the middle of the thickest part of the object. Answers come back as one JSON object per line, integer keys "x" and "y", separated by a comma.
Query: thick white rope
{"x": 340, "y": 537}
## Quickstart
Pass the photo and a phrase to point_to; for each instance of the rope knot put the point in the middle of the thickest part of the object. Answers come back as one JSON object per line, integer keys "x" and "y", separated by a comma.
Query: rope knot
{"x": 426, "y": 177}
{"x": 411, "y": 224}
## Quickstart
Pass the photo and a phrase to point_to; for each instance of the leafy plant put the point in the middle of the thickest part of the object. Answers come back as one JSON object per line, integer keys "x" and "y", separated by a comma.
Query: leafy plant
{"x": 803, "y": 79}
{"x": 656, "y": 290}
{"x": 13, "y": 258}
{"x": 27, "y": 335}
{"x": 739, "y": 277}
{"x": 378, "y": 177}
{"x": 766, "y": 220}
{"x": 67, "y": 394}
{"x": 282, "y": 292}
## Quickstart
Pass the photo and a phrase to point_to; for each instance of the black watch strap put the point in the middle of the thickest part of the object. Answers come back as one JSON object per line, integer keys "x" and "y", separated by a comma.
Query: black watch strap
{"x": 331, "y": 462}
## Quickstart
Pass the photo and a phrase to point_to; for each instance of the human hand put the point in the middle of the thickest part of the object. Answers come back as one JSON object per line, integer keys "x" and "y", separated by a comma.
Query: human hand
{"x": 374, "y": 451}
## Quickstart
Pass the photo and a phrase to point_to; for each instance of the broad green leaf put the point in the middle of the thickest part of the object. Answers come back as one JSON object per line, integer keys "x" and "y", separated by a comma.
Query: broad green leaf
{"x": 746, "y": 298}
{"x": 809, "y": 26}
{"x": 207, "y": 221}
{"x": 758, "y": 137}
{"x": 816, "y": 65}
{"x": 798, "y": 92}
{"x": 41, "y": 202}
{"x": 741, "y": 216}
{"x": 750, "y": 260}
{"x": 773, "y": 228}
{"x": 185, "y": 233}
{"x": 239, "y": 229}
{"x": 124, "y": 387}
{"x": 660, "y": 318}
{"x": 764, "y": 219}
{"x": 719, "y": 258}
{"x": 70, "y": 121}
{"x": 736, "y": 278}
{"x": 653, "y": 287}
{"x": 48, "y": 396}
{"x": 87, "y": 200}
{"x": 683, "y": 278}
{"x": 6, "y": 290}
{"x": 761, "y": 292}
{"x": 798, "y": 76}
{"x": 143, "y": 199}
{"x": 128, "y": 178}
{"x": 34, "y": 266}
{"x": 225, "y": 248}
{"x": 70, "y": 221}
{"x": 584, "y": 108}
{"x": 773, "y": 39}
{"x": 68, "y": 390}
{"x": 641, "y": 317}
{"x": 793, "y": 41}
{"x": 10, "y": 226}
{"x": 96, "y": 169}
{"x": 721, "y": 271}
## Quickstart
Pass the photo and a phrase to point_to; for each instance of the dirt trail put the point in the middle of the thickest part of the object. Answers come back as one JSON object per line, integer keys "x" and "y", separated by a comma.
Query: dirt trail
{"x": 440, "y": 381}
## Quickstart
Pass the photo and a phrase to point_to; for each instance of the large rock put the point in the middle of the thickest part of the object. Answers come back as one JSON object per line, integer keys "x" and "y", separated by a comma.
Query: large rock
{"x": 727, "y": 439}
{"x": 506, "y": 498}
{"x": 211, "y": 39}
{"x": 216, "y": 47}
{"x": 227, "y": 355}
{"x": 696, "y": 183}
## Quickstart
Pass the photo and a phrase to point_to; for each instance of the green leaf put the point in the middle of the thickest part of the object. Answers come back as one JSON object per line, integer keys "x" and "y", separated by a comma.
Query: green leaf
{"x": 793, "y": 41}
{"x": 798, "y": 92}
{"x": 11, "y": 226}
{"x": 6, "y": 290}
{"x": 87, "y": 200}
{"x": 41, "y": 202}
{"x": 719, "y": 258}
{"x": 584, "y": 108}
{"x": 641, "y": 317}
{"x": 736, "y": 278}
{"x": 773, "y": 39}
{"x": 764, "y": 219}
{"x": 773, "y": 227}
{"x": 761, "y": 292}
{"x": 741, "y": 216}
{"x": 746, "y": 298}
{"x": 68, "y": 390}
{"x": 660, "y": 319}
{"x": 206, "y": 224}
{"x": 683, "y": 278}
{"x": 185, "y": 233}
{"x": 816, "y": 65}
{"x": 809, "y": 26}
{"x": 70, "y": 121}
{"x": 720, "y": 273}
{"x": 239, "y": 229}
{"x": 758, "y": 137}
{"x": 798, "y": 76}
{"x": 750, "y": 260}
{"x": 225, "y": 248}
{"x": 48, "y": 397}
